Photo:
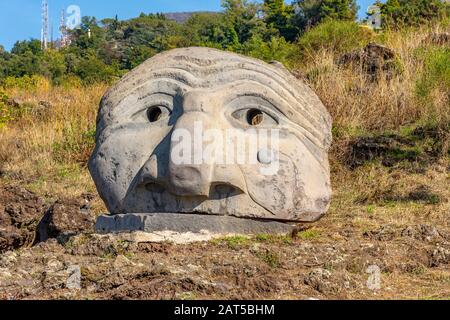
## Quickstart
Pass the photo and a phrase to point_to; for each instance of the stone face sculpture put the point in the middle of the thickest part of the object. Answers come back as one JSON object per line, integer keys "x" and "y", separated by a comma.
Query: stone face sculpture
{"x": 175, "y": 95}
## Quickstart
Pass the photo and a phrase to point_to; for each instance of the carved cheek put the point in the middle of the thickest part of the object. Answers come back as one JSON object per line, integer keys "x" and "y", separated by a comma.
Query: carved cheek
{"x": 274, "y": 191}
{"x": 296, "y": 188}
{"x": 312, "y": 189}
{"x": 120, "y": 157}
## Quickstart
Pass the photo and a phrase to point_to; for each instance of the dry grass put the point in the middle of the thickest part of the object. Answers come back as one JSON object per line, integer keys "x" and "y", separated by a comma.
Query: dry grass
{"x": 358, "y": 104}
{"x": 374, "y": 195}
{"x": 48, "y": 146}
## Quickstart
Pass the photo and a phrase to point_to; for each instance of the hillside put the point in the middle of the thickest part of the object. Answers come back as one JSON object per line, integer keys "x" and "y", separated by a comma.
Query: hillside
{"x": 182, "y": 17}
{"x": 390, "y": 209}
{"x": 386, "y": 235}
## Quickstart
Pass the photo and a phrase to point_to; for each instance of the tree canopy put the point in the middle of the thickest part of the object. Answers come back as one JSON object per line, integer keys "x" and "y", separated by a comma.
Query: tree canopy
{"x": 399, "y": 13}
{"x": 312, "y": 12}
{"x": 270, "y": 29}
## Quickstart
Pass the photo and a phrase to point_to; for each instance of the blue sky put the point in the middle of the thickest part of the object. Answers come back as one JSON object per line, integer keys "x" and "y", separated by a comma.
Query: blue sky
{"x": 21, "y": 19}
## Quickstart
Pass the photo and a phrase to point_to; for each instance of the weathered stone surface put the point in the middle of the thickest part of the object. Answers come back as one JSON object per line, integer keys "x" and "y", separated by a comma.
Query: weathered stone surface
{"x": 188, "y": 223}
{"x": 133, "y": 165}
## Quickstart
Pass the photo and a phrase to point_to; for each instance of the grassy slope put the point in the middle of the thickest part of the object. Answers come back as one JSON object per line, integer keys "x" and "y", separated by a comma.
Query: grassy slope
{"x": 46, "y": 147}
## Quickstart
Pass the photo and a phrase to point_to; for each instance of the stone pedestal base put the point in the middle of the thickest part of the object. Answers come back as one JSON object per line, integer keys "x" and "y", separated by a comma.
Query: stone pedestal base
{"x": 193, "y": 224}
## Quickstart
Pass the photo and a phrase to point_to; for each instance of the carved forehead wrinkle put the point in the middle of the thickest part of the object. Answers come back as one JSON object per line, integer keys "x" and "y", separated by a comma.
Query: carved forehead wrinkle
{"x": 295, "y": 104}
{"x": 199, "y": 76}
{"x": 208, "y": 60}
{"x": 201, "y": 64}
{"x": 206, "y": 68}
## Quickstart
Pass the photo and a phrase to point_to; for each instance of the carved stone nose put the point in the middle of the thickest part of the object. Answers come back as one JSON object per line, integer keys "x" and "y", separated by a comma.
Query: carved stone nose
{"x": 191, "y": 175}
{"x": 189, "y": 181}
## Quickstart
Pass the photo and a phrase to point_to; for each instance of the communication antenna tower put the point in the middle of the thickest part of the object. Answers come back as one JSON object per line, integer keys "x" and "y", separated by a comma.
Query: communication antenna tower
{"x": 45, "y": 25}
{"x": 63, "y": 30}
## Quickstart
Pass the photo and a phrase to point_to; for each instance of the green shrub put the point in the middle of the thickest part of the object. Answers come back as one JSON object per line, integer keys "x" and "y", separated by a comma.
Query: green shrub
{"x": 234, "y": 242}
{"x": 309, "y": 234}
{"x": 92, "y": 70}
{"x": 336, "y": 36}
{"x": 432, "y": 86}
{"x": 5, "y": 112}
{"x": 276, "y": 49}
{"x": 69, "y": 81}
{"x": 271, "y": 258}
{"x": 398, "y": 14}
{"x": 26, "y": 82}
{"x": 10, "y": 111}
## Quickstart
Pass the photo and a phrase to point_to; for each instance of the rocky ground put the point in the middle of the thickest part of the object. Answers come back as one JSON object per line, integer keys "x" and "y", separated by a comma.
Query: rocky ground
{"x": 321, "y": 261}
{"x": 389, "y": 221}
{"x": 413, "y": 264}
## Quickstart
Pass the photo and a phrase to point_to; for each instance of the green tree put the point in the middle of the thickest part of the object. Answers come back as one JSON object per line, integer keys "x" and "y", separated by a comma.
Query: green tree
{"x": 23, "y": 64}
{"x": 4, "y": 57}
{"x": 279, "y": 16}
{"x": 149, "y": 30}
{"x": 212, "y": 30}
{"x": 52, "y": 65}
{"x": 136, "y": 55}
{"x": 400, "y": 13}
{"x": 244, "y": 17}
{"x": 312, "y": 12}
{"x": 21, "y": 47}
{"x": 91, "y": 69}
{"x": 89, "y": 36}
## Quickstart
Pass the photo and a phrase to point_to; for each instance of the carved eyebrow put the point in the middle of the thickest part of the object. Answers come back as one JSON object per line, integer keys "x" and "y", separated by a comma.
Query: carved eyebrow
{"x": 154, "y": 93}
{"x": 216, "y": 77}
{"x": 301, "y": 109}
{"x": 226, "y": 71}
{"x": 149, "y": 88}
{"x": 176, "y": 75}
{"x": 248, "y": 94}
{"x": 241, "y": 88}
{"x": 301, "y": 125}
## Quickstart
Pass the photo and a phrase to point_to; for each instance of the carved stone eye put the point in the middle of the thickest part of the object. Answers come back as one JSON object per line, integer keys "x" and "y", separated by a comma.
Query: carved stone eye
{"x": 255, "y": 117}
{"x": 157, "y": 113}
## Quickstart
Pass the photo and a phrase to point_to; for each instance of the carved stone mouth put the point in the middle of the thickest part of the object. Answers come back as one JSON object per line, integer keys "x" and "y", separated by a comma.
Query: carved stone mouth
{"x": 223, "y": 191}
{"x": 217, "y": 190}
